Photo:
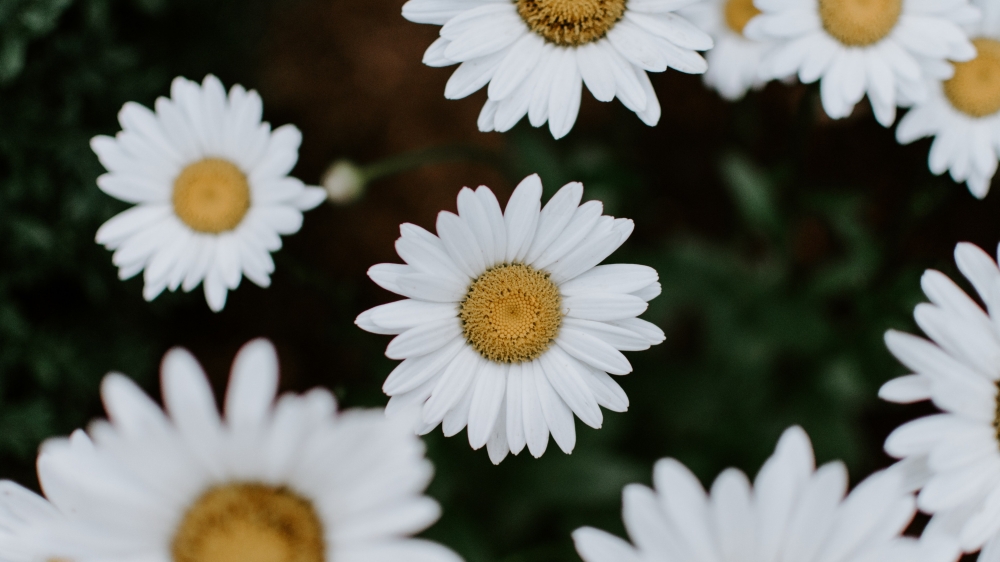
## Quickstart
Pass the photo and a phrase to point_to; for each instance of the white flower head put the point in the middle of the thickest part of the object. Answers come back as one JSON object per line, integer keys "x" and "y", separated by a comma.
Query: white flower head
{"x": 962, "y": 111}
{"x": 536, "y": 54}
{"x": 286, "y": 480}
{"x": 734, "y": 64}
{"x": 510, "y": 326}
{"x": 953, "y": 455}
{"x": 793, "y": 512}
{"x": 211, "y": 187}
{"x": 858, "y": 47}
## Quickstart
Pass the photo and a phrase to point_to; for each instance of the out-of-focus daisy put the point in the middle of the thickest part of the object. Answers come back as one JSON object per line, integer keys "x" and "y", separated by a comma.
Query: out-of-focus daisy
{"x": 954, "y": 455}
{"x": 211, "y": 187}
{"x": 858, "y": 47}
{"x": 287, "y": 480}
{"x": 734, "y": 62}
{"x": 962, "y": 112}
{"x": 793, "y": 511}
{"x": 511, "y": 327}
{"x": 29, "y": 526}
{"x": 536, "y": 54}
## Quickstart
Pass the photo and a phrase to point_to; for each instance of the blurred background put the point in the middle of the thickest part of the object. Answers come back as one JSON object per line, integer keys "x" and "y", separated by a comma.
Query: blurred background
{"x": 786, "y": 244}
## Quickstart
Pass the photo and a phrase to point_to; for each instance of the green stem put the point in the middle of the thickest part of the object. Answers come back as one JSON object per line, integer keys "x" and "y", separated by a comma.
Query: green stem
{"x": 418, "y": 158}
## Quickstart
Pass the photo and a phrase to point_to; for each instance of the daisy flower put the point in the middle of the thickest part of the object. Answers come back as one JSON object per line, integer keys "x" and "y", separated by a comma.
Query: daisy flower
{"x": 953, "y": 455}
{"x": 27, "y": 526}
{"x": 211, "y": 187}
{"x": 510, "y": 326}
{"x": 287, "y": 480}
{"x": 793, "y": 511}
{"x": 962, "y": 112}
{"x": 536, "y": 54}
{"x": 858, "y": 47}
{"x": 734, "y": 62}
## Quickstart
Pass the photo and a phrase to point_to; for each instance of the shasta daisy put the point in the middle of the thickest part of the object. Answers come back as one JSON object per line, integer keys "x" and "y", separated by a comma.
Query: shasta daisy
{"x": 734, "y": 62}
{"x": 953, "y": 456}
{"x": 535, "y": 55}
{"x": 858, "y": 47}
{"x": 211, "y": 187}
{"x": 962, "y": 111}
{"x": 793, "y": 511}
{"x": 510, "y": 326}
{"x": 288, "y": 480}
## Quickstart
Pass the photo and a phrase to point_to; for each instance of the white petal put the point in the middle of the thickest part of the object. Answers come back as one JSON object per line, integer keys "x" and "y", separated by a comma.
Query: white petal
{"x": 521, "y": 217}
{"x": 487, "y": 397}
{"x": 253, "y": 385}
{"x": 558, "y": 415}
{"x": 593, "y": 351}
{"x": 594, "y": 545}
{"x": 424, "y": 339}
{"x": 603, "y": 307}
{"x": 536, "y": 429}
{"x": 565, "y": 375}
{"x": 554, "y": 217}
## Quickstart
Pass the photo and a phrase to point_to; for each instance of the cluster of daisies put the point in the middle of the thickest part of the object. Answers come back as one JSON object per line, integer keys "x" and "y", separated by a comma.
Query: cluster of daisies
{"x": 941, "y": 58}
{"x": 510, "y": 327}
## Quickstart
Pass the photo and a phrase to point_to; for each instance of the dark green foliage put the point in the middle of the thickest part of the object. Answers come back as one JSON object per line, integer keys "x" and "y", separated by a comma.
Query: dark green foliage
{"x": 66, "y": 67}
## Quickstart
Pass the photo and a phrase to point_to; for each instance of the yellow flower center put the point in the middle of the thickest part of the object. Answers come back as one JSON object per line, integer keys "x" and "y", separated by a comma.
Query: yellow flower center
{"x": 996, "y": 415}
{"x": 249, "y": 523}
{"x": 211, "y": 195}
{"x": 739, "y": 13}
{"x": 571, "y": 23}
{"x": 857, "y": 23}
{"x": 511, "y": 313}
{"x": 975, "y": 87}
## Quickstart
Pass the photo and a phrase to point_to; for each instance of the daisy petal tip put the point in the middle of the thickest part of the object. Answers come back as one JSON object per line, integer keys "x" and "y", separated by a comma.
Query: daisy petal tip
{"x": 99, "y": 143}
{"x": 892, "y": 337}
{"x": 310, "y": 198}
{"x": 177, "y": 360}
{"x": 975, "y": 263}
{"x": 795, "y": 438}
{"x": 594, "y": 545}
{"x": 531, "y": 186}
{"x": 150, "y": 292}
{"x": 215, "y": 295}
{"x": 259, "y": 349}
{"x": 113, "y": 382}
{"x": 497, "y": 457}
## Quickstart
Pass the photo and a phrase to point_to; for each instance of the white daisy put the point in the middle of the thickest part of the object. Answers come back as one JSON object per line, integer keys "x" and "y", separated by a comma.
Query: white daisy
{"x": 954, "y": 455}
{"x": 535, "y": 54}
{"x": 287, "y": 480}
{"x": 962, "y": 111}
{"x": 734, "y": 62}
{"x": 511, "y": 327}
{"x": 28, "y": 525}
{"x": 858, "y": 47}
{"x": 793, "y": 512}
{"x": 211, "y": 187}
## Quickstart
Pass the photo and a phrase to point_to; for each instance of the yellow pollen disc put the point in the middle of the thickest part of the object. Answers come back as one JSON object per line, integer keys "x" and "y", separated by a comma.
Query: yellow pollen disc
{"x": 511, "y": 313}
{"x": 975, "y": 87}
{"x": 249, "y": 523}
{"x": 996, "y": 415}
{"x": 739, "y": 13}
{"x": 571, "y": 23}
{"x": 211, "y": 195}
{"x": 857, "y": 23}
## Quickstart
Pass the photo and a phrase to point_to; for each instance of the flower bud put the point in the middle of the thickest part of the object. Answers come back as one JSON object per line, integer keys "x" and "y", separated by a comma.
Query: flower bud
{"x": 344, "y": 182}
